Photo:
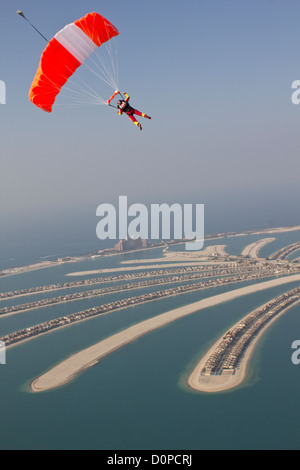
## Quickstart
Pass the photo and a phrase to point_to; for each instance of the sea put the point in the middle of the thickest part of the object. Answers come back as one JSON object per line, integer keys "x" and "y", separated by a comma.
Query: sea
{"x": 138, "y": 397}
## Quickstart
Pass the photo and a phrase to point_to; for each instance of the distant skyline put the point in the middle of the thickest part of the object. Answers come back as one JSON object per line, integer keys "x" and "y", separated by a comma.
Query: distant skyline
{"x": 215, "y": 77}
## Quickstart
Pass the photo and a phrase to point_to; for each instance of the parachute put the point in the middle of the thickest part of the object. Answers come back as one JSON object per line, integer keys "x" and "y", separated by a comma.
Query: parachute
{"x": 65, "y": 52}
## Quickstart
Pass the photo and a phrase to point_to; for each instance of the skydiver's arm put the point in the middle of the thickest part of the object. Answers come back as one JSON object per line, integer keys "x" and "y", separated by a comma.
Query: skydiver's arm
{"x": 120, "y": 112}
{"x": 127, "y": 97}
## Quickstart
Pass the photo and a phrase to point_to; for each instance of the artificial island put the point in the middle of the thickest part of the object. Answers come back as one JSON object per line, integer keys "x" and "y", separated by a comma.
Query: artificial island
{"x": 224, "y": 365}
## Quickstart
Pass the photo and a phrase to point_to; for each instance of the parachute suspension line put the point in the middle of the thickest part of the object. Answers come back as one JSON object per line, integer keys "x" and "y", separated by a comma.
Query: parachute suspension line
{"x": 80, "y": 95}
{"x": 112, "y": 50}
{"x": 92, "y": 93}
{"x": 113, "y": 54}
{"x": 79, "y": 90}
{"x": 104, "y": 60}
{"x": 107, "y": 58}
{"x": 102, "y": 65}
{"x": 83, "y": 95}
{"x": 84, "y": 92}
{"x": 111, "y": 61}
{"x": 103, "y": 75}
{"x": 19, "y": 12}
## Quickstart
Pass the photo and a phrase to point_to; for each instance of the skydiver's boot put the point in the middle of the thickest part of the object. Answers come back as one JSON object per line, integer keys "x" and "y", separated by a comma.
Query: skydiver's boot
{"x": 145, "y": 116}
{"x": 139, "y": 126}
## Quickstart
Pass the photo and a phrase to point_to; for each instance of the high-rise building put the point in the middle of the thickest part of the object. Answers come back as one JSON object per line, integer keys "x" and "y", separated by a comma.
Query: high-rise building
{"x": 131, "y": 244}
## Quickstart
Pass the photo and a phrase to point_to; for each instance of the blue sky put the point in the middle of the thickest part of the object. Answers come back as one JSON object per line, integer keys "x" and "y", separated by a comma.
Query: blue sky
{"x": 214, "y": 75}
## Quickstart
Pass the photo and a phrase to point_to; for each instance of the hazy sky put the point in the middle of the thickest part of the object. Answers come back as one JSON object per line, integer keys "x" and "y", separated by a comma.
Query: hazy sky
{"x": 215, "y": 75}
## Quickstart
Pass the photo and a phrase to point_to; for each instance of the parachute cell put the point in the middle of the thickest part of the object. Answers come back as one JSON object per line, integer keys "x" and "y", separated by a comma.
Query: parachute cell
{"x": 66, "y": 51}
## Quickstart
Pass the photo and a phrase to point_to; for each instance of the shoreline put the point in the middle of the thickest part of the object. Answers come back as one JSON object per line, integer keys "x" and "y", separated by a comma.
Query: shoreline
{"x": 69, "y": 368}
{"x": 90, "y": 256}
{"x": 222, "y": 383}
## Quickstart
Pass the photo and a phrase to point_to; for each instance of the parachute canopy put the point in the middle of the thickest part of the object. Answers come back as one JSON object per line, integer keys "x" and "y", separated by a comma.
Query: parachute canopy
{"x": 65, "y": 52}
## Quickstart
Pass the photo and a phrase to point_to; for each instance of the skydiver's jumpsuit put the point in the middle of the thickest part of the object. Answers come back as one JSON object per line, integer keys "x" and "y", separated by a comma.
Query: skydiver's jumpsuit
{"x": 125, "y": 107}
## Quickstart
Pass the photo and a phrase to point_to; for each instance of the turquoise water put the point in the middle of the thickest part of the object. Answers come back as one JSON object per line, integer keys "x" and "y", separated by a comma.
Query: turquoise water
{"x": 137, "y": 397}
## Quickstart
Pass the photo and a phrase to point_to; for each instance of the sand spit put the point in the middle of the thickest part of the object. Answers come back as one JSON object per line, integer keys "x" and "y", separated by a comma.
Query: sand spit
{"x": 220, "y": 383}
{"x": 169, "y": 260}
{"x": 253, "y": 249}
{"x": 134, "y": 268}
{"x": 213, "y": 250}
{"x": 75, "y": 364}
{"x": 276, "y": 230}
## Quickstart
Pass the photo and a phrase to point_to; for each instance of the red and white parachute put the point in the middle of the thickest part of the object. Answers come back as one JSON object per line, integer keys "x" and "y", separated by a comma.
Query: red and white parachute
{"x": 65, "y": 52}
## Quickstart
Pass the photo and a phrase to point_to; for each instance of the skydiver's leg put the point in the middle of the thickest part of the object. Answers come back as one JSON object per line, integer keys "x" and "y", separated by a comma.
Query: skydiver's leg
{"x": 141, "y": 114}
{"x": 133, "y": 119}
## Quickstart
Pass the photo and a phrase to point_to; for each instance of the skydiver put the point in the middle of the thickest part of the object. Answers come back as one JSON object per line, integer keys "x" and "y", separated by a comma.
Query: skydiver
{"x": 124, "y": 107}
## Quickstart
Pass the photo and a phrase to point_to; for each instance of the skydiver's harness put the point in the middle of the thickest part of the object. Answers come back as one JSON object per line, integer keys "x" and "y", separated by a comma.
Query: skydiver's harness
{"x": 126, "y": 108}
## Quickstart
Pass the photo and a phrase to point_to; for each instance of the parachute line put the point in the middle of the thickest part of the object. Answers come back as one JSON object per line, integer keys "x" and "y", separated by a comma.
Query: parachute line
{"x": 104, "y": 69}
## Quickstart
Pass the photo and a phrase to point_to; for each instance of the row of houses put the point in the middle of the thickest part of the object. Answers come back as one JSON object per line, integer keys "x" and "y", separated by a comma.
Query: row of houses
{"x": 226, "y": 357}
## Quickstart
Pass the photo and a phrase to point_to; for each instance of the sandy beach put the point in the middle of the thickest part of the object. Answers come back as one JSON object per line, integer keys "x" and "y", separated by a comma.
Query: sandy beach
{"x": 68, "y": 369}
{"x": 253, "y": 249}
